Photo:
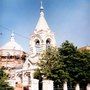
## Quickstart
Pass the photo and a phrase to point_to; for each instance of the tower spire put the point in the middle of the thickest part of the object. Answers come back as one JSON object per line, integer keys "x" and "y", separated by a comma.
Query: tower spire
{"x": 41, "y": 10}
{"x": 12, "y": 37}
{"x": 42, "y": 24}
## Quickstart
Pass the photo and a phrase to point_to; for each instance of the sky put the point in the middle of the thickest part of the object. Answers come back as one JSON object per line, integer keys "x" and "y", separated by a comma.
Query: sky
{"x": 68, "y": 19}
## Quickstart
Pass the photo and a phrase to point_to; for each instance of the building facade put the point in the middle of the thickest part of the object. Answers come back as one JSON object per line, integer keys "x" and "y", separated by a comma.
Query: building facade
{"x": 21, "y": 69}
{"x": 11, "y": 54}
{"x": 17, "y": 63}
{"x": 40, "y": 40}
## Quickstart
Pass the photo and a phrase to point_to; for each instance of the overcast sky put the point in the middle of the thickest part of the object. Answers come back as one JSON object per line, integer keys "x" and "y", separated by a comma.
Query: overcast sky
{"x": 68, "y": 19}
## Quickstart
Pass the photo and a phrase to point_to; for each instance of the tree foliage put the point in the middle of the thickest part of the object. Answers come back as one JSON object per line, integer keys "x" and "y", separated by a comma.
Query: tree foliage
{"x": 65, "y": 63}
{"x": 76, "y": 62}
{"x": 51, "y": 66}
{"x": 3, "y": 80}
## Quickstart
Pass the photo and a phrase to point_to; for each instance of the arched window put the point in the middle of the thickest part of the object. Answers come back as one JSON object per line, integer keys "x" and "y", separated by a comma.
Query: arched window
{"x": 37, "y": 45}
{"x": 48, "y": 42}
{"x": 37, "y": 42}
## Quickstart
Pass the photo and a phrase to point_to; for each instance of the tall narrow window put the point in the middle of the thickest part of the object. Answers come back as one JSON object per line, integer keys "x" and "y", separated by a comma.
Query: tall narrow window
{"x": 37, "y": 45}
{"x": 48, "y": 42}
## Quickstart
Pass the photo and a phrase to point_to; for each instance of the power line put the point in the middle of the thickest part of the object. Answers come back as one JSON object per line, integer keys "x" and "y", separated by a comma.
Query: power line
{"x": 21, "y": 35}
{"x": 9, "y": 30}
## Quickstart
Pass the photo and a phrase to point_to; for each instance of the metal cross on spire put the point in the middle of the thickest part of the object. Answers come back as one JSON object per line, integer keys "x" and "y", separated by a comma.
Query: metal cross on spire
{"x": 12, "y": 36}
{"x": 41, "y": 8}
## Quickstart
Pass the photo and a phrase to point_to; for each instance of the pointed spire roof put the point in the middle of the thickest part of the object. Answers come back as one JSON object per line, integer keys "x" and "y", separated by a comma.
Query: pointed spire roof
{"x": 42, "y": 24}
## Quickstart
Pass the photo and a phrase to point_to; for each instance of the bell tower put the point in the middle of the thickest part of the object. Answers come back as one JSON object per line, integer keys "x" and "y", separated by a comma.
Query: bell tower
{"x": 42, "y": 37}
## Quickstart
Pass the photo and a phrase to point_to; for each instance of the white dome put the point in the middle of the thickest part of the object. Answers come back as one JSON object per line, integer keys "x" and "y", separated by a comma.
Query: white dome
{"x": 12, "y": 45}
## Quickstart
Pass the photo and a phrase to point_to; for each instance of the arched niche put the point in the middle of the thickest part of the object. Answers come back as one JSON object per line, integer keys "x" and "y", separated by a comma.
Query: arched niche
{"x": 37, "y": 42}
{"x": 37, "y": 45}
{"x": 48, "y": 42}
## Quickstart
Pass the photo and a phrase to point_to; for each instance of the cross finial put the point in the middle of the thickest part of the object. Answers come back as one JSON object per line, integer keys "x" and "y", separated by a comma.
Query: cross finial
{"x": 12, "y": 36}
{"x": 41, "y": 10}
{"x": 41, "y": 3}
{"x": 41, "y": 6}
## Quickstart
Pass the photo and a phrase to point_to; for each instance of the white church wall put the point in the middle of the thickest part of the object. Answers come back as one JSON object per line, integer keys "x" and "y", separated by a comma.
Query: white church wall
{"x": 34, "y": 84}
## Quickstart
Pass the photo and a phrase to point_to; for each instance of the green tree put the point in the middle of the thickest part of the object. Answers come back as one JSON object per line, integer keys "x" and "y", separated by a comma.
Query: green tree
{"x": 68, "y": 53}
{"x": 51, "y": 66}
{"x": 84, "y": 68}
{"x": 77, "y": 63}
{"x": 3, "y": 80}
{"x": 65, "y": 63}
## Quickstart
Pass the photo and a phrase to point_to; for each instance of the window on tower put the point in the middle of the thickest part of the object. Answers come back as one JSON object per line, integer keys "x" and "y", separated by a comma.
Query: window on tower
{"x": 48, "y": 42}
{"x": 37, "y": 45}
{"x": 37, "y": 42}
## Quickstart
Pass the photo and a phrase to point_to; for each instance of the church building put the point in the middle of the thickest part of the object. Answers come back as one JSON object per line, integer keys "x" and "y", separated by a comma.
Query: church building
{"x": 22, "y": 69}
